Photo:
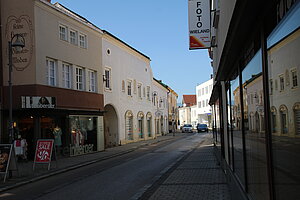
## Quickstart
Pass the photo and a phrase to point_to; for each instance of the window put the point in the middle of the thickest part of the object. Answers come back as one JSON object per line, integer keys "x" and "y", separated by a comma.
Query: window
{"x": 144, "y": 92}
{"x": 273, "y": 119}
{"x": 297, "y": 118}
{"x": 79, "y": 78}
{"x": 51, "y": 72}
{"x": 199, "y": 93}
{"x": 123, "y": 86}
{"x": 294, "y": 78}
{"x": 148, "y": 93}
{"x": 139, "y": 90}
{"x": 92, "y": 81}
{"x": 203, "y": 103}
{"x": 73, "y": 37}
{"x": 202, "y": 91}
{"x": 271, "y": 86}
{"x": 206, "y": 102}
{"x": 134, "y": 86}
{"x": 107, "y": 77}
{"x": 283, "y": 119}
{"x": 66, "y": 75}
{"x": 199, "y": 104}
{"x": 129, "y": 88}
{"x": 281, "y": 82}
{"x": 129, "y": 125}
{"x": 63, "y": 33}
{"x": 206, "y": 90}
{"x": 82, "y": 41}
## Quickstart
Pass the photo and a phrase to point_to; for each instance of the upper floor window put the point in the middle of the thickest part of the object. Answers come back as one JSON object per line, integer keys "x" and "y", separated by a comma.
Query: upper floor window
{"x": 199, "y": 104}
{"x": 82, "y": 41}
{"x": 123, "y": 86}
{"x": 73, "y": 37}
{"x": 92, "y": 81}
{"x": 129, "y": 88}
{"x": 79, "y": 78}
{"x": 51, "y": 72}
{"x": 148, "y": 93}
{"x": 294, "y": 78}
{"x": 202, "y": 91}
{"x": 66, "y": 75}
{"x": 281, "y": 83}
{"x": 206, "y": 90}
{"x": 63, "y": 33}
{"x": 144, "y": 92}
{"x": 107, "y": 77}
{"x": 139, "y": 90}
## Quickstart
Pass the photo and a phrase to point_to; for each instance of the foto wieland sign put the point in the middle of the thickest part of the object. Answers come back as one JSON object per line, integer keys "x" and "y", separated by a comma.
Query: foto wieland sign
{"x": 199, "y": 24}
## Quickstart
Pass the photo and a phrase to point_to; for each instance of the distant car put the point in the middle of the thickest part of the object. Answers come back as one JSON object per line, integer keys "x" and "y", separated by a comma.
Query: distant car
{"x": 187, "y": 128}
{"x": 202, "y": 128}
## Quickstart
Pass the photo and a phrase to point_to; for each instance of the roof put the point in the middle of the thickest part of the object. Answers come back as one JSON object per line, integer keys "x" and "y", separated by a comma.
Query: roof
{"x": 189, "y": 100}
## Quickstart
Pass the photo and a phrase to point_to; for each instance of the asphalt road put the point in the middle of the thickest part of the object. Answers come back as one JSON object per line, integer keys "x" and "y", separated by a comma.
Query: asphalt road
{"x": 117, "y": 178}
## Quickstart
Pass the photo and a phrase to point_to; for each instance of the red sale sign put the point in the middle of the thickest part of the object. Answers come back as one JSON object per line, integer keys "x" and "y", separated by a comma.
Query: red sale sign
{"x": 43, "y": 151}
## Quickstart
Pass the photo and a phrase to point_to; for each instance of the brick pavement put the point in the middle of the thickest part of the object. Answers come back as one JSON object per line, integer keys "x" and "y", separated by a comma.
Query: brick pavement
{"x": 196, "y": 176}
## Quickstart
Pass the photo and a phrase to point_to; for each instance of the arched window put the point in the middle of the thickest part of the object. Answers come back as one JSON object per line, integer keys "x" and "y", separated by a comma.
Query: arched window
{"x": 297, "y": 118}
{"x": 149, "y": 124}
{"x": 129, "y": 125}
{"x": 140, "y": 118}
{"x": 273, "y": 119}
{"x": 283, "y": 119}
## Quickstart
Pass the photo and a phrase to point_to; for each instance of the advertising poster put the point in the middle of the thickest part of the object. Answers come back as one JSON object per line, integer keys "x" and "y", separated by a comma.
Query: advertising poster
{"x": 199, "y": 24}
{"x": 7, "y": 159}
{"x": 43, "y": 152}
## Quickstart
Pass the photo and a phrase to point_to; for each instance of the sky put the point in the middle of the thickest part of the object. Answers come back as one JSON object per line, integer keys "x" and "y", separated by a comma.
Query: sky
{"x": 156, "y": 28}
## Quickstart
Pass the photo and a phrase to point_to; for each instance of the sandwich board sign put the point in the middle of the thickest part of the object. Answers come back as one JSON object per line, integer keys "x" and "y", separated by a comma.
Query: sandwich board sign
{"x": 43, "y": 152}
{"x": 7, "y": 159}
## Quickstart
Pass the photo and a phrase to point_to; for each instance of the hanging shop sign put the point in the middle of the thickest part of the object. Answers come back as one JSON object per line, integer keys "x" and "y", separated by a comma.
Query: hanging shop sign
{"x": 20, "y": 25}
{"x": 38, "y": 102}
{"x": 43, "y": 152}
{"x": 199, "y": 24}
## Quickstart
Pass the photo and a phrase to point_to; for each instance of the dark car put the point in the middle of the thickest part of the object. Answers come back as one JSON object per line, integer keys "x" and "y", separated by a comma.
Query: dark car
{"x": 187, "y": 128}
{"x": 202, "y": 128}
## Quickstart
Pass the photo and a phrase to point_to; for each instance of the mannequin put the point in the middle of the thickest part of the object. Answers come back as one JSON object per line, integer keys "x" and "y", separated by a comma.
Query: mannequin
{"x": 57, "y": 136}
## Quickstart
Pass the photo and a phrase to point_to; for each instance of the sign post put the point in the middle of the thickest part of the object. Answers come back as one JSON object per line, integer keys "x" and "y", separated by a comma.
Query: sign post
{"x": 43, "y": 152}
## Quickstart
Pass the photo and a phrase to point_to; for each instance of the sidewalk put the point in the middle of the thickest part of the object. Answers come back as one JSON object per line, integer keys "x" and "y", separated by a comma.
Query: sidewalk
{"x": 26, "y": 174}
{"x": 196, "y": 176}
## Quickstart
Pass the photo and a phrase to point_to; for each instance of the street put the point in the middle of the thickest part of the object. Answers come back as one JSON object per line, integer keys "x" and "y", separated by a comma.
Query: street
{"x": 116, "y": 178}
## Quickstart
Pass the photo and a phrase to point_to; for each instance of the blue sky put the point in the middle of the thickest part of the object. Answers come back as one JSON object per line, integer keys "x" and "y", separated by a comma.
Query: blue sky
{"x": 157, "y": 28}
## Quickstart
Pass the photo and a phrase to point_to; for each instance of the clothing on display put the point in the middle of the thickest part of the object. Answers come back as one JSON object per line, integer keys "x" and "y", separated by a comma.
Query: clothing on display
{"x": 57, "y": 136}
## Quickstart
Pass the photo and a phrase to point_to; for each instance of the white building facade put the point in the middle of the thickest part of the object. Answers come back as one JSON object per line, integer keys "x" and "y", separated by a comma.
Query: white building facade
{"x": 160, "y": 107}
{"x": 127, "y": 78}
{"x": 203, "y": 93}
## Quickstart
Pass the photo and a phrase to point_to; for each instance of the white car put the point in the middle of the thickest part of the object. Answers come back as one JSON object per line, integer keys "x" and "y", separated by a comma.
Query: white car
{"x": 187, "y": 128}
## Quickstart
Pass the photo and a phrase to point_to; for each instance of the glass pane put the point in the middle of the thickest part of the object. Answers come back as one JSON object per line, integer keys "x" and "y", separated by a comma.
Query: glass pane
{"x": 253, "y": 103}
{"x": 284, "y": 60}
{"x": 237, "y": 130}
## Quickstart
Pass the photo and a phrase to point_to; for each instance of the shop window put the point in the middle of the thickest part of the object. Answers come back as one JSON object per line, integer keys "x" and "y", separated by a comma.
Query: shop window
{"x": 66, "y": 75}
{"x": 51, "y": 71}
{"x": 79, "y": 78}
{"x": 283, "y": 119}
{"x": 129, "y": 125}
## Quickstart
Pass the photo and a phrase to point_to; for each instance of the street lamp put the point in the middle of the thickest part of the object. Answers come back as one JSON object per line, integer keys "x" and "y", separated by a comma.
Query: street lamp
{"x": 17, "y": 41}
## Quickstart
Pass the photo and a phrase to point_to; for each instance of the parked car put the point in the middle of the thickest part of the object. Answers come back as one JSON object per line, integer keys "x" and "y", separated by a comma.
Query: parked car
{"x": 187, "y": 128}
{"x": 202, "y": 128}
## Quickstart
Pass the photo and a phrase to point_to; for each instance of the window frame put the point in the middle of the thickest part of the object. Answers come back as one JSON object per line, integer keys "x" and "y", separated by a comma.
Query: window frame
{"x": 107, "y": 76}
{"x": 82, "y": 43}
{"x": 49, "y": 77}
{"x": 79, "y": 83}
{"x": 92, "y": 80}
{"x": 65, "y": 38}
{"x": 67, "y": 75}
{"x": 75, "y": 37}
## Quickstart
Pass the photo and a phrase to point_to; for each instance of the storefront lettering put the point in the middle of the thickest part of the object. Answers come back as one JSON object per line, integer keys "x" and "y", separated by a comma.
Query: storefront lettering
{"x": 81, "y": 149}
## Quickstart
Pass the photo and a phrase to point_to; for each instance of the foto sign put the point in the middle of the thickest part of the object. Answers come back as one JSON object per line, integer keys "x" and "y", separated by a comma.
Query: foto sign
{"x": 199, "y": 24}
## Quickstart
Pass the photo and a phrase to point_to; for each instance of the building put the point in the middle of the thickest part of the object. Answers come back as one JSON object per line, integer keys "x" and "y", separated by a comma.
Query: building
{"x": 255, "y": 98}
{"x": 203, "y": 92}
{"x": 184, "y": 112}
{"x": 160, "y": 107}
{"x": 173, "y": 110}
{"x": 127, "y": 77}
{"x": 57, "y": 77}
